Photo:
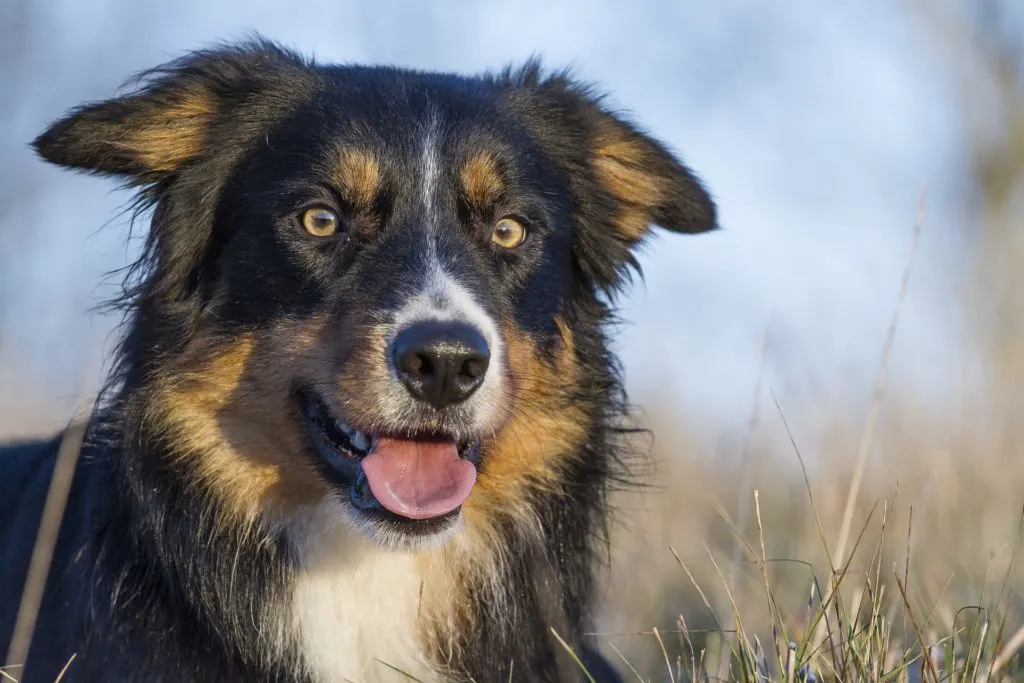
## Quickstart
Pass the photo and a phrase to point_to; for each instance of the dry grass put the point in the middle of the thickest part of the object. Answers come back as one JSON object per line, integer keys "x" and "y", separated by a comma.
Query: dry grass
{"x": 934, "y": 561}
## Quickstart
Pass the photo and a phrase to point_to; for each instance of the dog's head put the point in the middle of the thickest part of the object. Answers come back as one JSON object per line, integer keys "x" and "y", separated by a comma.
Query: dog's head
{"x": 375, "y": 287}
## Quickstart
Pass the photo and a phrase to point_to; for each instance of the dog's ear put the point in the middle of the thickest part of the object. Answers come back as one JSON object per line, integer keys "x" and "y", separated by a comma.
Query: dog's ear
{"x": 177, "y": 135}
{"x": 623, "y": 180}
{"x": 650, "y": 184}
{"x": 165, "y": 124}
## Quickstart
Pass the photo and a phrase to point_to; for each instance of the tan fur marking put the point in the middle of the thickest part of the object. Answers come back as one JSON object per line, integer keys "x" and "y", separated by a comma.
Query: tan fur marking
{"x": 619, "y": 165}
{"x": 633, "y": 222}
{"x": 227, "y": 408}
{"x": 358, "y": 174}
{"x": 481, "y": 180}
{"x": 545, "y": 427}
{"x": 175, "y": 134}
{"x": 364, "y": 378}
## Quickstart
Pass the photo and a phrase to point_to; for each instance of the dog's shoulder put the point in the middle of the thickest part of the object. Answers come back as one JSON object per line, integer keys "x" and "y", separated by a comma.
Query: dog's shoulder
{"x": 25, "y": 470}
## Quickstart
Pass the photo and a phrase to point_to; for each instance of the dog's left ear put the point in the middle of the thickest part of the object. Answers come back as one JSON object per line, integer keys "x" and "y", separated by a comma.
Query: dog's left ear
{"x": 623, "y": 181}
{"x": 650, "y": 184}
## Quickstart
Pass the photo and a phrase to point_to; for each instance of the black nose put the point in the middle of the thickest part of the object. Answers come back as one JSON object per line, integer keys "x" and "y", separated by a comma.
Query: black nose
{"x": 441, "y": 363}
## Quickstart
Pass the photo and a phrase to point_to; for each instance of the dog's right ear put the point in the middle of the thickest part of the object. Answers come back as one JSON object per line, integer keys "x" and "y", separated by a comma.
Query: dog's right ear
{"x": 166, "y": 123}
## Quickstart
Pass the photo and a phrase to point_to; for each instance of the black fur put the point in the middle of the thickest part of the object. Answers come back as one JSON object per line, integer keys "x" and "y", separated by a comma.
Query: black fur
{"x": 149, "y": 582}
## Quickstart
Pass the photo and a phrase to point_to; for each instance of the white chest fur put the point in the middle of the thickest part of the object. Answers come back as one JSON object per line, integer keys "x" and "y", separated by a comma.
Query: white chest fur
{"x": 356, "y": 606}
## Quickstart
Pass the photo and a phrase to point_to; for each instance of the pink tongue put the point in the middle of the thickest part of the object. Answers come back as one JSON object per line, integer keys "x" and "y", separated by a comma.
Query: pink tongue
{"x": 418, "y": 479}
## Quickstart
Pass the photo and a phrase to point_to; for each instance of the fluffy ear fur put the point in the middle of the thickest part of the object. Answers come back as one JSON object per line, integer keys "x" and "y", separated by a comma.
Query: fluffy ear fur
{"x": 649, "y": 183}
{"x": 624, "y": 180}
{"x": 168, "y": 121}
{"x": 177, "y": 136}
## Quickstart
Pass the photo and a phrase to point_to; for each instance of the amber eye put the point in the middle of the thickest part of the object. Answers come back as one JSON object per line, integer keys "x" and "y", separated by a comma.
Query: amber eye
{"x": 508, "y": 233}
{"x": 320, "y": 222}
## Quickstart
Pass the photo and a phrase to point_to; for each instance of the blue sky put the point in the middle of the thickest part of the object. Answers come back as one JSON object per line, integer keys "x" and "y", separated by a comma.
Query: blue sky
{"x": 814, "y": 124}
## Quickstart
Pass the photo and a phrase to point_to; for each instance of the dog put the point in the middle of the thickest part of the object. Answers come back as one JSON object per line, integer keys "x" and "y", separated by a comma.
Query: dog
{"x": 363, "y": 417}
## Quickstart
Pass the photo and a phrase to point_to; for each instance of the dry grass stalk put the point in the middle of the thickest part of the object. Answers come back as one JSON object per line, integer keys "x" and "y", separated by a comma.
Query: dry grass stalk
{"x": 46, "y": 539}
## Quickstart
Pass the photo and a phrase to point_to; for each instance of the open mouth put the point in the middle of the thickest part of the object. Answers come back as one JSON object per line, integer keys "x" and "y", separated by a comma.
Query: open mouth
{"x": 418, "y": 480}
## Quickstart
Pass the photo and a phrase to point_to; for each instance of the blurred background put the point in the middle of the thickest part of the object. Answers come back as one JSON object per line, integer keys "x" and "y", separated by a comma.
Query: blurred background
{"x": 850, "y": 148}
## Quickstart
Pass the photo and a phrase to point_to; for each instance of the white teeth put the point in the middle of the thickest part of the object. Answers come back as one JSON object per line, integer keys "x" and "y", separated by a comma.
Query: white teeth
{"x": 360, "y": 441}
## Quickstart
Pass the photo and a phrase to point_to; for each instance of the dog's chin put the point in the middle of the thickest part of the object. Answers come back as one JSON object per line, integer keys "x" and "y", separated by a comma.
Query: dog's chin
{"x": 340, "y": 450}
{"x": 397, "y": 536}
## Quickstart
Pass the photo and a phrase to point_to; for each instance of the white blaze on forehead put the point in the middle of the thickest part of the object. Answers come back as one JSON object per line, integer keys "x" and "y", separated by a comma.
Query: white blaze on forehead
{"x": 430, "y": 165}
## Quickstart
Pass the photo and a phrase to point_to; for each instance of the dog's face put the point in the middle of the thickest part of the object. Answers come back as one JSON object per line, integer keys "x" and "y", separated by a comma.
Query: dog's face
{"x": 369, "y": 288}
